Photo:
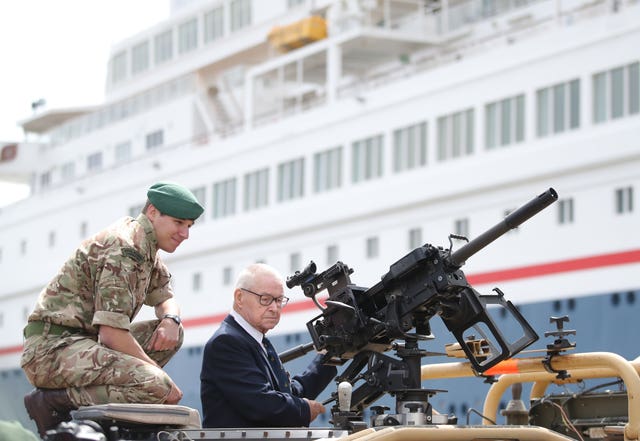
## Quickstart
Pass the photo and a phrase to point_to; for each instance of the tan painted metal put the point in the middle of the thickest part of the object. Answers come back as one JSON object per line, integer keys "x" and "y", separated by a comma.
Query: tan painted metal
{"x": 526, "y": 370}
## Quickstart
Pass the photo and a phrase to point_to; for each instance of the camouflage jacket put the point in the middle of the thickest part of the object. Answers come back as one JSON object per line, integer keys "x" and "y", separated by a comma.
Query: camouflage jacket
{"x": 107, "y": 280}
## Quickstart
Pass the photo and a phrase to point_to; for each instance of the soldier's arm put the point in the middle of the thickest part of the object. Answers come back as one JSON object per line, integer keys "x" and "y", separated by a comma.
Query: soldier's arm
{"x": 121, "y": 340}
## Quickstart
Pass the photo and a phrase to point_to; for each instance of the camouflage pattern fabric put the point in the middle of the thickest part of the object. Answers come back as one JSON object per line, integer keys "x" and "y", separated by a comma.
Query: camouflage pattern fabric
{"x": 105, "y": 282}
{"x": 94, "y": 374}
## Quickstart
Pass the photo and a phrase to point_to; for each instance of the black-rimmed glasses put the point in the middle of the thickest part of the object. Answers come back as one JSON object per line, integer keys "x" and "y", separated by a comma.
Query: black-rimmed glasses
{"x": 267, "y": 299}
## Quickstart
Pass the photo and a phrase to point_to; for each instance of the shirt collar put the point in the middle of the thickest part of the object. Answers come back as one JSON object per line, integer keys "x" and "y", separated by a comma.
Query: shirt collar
{"x": 253, "y": 332}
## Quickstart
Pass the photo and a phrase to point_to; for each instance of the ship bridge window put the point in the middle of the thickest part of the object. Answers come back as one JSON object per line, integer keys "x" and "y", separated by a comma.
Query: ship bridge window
{"x": 256, "y": 189}
{"x": 295, "y": 262}
{"x": 616, "y": 93}
{"x": 565, "y": 211}
{"x": 188, "y": 36}
{"x": 200, "y": 194}
{"x": 163, "y": 47}
{"x": 123, "y": 152}
{"x": 461, "y": 227}
{"x": 94, "y": 161}
{"x": 291, "y": 180}
{"x": 410, "y": 147}
{"x": 373, "y": 247}
{"x": 504, "y": 122}
{"x": 224, "y": 198}
{"x": 631, "y": 297}
{"x": 154, "y": 139}
{"x": 68, "y": 171}
{"x": 367, "y": 159}
{"x": 415, "y": 238}
{"x": 227, "y": 275}
{"x": 240, "y": 12}
{"x": 140, "y": 57}
{"x": 624, "y": 200}
{"x": 327, "y": 169}
{"x": 455, "y": 135}
{"x": 332, "y": 254}
{"x": 558, "y": 108}
{"x": 213, "y": 24}
{"x": 119, "y": 67}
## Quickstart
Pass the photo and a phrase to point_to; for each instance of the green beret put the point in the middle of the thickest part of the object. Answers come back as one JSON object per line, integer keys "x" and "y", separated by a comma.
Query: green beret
{"x": 174, "y": 200}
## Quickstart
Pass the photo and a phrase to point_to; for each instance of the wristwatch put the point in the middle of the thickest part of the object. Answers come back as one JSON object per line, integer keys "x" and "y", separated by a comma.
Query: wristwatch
{"x": 173, "y": 317}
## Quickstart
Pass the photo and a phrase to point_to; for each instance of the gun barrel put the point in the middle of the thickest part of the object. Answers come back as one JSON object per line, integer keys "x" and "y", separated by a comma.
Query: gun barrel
{"x": 293, "y": 353}
{"x": 513, "y": 220}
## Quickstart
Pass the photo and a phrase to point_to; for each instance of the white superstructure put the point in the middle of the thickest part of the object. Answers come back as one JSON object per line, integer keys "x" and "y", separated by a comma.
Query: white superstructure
{"x": 408, "y": 121}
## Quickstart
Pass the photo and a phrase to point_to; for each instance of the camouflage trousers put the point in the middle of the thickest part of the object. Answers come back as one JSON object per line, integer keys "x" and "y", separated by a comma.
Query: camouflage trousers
{"x": 94, "y": 374}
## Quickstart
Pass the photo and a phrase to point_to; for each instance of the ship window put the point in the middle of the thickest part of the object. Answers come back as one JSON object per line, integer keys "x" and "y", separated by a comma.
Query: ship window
{"x": 558, "y": 108}
{"x": 415, "y": 238}
{"x": 366, "y": 159}
{"x": 291, "y": 180}
{"x": 256, "y": 189}
{"x": 461, "y": 227}
{"x": 571, "y": 304}
{"x": 199, "y": 193}
{"x": 45, "y": 179}
{"x": 332, "y": 254}
{"x": 0, "y": 254}
{"x": 213, "y": 24}
{"x": 227, "y": 275}
{"x": 23, "y": 247}
{"x": 504, "y": 121}
{"x": 565, "y": 211}
{"x": 154, "y": 139}
{"x": 52, "y": 239}
{"x": 327, "y": 166}
{"x": 119, "y": 67}
{"x": 224, "y": 198}
{"x": 94, "y": 161}
{"x": 135, "y": 210}
{"x": 616, "y": 92}
{"x": 615, "y": 299}
{"x": 123, "y": 152}
{"x": 240, "y": 14}
{"x": 455, "y": 135}
{"x": 68, "y": 171}
{"x": 140, "y": 57}
{"x": 196, "y": 282}
{"x": 83, "y": 230}
{"x": 624, "y": 200}
{"x": 293, "y": 3}
{"x": 163, "y": 47}
{"x": 295, "y": 262}
{"x": 631, "y": 297}
{"x": 410, "y": 147}
{"x": 373, "y": 247}
{"x": 188, "y": 36}
{"x": 557, "y": 305}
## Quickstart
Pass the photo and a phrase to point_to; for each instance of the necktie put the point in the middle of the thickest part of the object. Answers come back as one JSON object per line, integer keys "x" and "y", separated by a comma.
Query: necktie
{"x": 282, "y": 377}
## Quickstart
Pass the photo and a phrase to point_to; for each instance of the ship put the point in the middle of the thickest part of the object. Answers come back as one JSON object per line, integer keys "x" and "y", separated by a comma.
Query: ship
{"x": 352, "y": 131}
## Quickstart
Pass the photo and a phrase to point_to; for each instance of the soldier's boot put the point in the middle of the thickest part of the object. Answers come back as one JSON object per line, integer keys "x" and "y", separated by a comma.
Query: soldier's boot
{"x": 48, "y": 408}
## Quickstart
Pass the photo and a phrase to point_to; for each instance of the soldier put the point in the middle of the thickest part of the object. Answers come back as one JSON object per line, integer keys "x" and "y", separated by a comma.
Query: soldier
{"x": 81, "y": 347}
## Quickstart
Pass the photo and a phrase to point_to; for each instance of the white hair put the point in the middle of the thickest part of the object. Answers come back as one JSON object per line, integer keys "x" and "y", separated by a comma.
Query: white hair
{"x": 247, "y": 275}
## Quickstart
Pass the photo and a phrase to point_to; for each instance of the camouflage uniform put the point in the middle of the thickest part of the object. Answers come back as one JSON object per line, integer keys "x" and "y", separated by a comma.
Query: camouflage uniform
{"x": 105, "y": 282}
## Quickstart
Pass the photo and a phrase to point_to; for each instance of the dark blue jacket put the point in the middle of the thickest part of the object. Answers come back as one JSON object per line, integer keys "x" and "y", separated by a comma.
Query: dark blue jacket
{"x": 237, "y": 387}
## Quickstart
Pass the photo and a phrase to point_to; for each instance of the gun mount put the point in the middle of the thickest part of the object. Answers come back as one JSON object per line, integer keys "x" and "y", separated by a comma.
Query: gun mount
{"x": 361, "y": 324}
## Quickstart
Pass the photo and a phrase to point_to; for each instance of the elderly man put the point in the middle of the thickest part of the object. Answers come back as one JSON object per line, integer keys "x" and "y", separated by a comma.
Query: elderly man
{"x": 242, "y": 382}
{"x": 81, "y": 347}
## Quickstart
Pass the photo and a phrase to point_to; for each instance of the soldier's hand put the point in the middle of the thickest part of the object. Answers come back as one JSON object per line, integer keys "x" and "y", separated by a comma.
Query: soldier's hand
{"x": 315, "y": 409}
{"x": 165, "y": 337}
{"x": 174, "y": 396}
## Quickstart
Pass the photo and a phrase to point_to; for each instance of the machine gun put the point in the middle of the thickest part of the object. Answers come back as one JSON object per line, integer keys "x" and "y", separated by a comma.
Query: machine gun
{"x": 360, "y": 324}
